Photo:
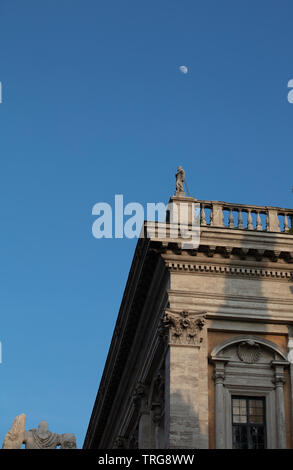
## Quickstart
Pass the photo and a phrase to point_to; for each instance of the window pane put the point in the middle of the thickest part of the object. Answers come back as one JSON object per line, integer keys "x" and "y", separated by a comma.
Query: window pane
{"x": 239, "y": 419}
{"x": 259, "y": 403}
{"x": 256, "y": 411}
{"x": 239, "y": 410}
{"x": 257, "y": 437}
{"x": 240, "y": 440}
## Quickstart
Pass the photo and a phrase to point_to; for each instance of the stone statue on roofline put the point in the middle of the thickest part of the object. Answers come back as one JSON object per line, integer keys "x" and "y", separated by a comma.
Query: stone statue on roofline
{"x": 40, "y": 438}
{"x": 180, "y": 178}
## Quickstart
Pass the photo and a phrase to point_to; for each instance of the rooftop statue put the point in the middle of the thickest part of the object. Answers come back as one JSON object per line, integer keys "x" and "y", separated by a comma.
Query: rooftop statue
{"x": 180, "y": 178}
{"x": 40, "y": 438}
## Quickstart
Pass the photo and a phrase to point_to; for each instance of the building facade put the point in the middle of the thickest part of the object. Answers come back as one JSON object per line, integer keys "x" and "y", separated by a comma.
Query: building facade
{"x": 202, "y": 351}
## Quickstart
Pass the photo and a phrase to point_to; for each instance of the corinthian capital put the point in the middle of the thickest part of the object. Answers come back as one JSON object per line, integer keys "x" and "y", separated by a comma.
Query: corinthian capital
{"x": 183, "y": 328}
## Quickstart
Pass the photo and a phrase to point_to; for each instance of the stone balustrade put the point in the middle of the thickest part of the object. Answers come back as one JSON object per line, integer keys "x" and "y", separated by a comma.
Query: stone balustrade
{"x": 245, "y": 217}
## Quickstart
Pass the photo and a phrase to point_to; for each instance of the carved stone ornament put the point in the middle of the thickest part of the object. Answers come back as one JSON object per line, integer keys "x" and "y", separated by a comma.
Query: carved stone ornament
{"x": 184, "y": 328}
{"x": 119, "y": 443}
{"x": 138, "y": 395}
{"x": 68, "y": 441}
{"x": 249, "y": 351}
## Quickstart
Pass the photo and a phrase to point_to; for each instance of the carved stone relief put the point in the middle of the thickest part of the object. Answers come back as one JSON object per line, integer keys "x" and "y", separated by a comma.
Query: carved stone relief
{"x": 249, "y": 351}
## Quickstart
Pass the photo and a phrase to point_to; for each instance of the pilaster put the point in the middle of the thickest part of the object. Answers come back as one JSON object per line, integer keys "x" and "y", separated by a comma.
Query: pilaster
{"x": 186, "y": 399}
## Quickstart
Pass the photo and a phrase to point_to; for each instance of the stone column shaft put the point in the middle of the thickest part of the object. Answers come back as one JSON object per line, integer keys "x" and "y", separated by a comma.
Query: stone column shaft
{"x": 219, "y": 403}
{"x": 280, "y": 406}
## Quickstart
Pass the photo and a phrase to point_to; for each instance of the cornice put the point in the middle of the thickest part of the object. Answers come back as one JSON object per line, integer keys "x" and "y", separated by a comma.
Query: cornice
{"x": 223, "y": 237}
{"x": 137, "y": 286}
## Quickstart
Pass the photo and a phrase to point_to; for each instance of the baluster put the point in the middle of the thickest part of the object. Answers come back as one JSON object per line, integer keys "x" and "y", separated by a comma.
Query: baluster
{"x": 231, "y": 218}
{"x": 249, "y": 221}
{"x": 240, "y": 219}
{"x": 286, "y": 223}
{"x": 203, "y": 221}
{"x": 223, "y": 218}
{"x": 211, "y": 216}
{"x": 258, "y": 221}
{"x": 267, "y": 222}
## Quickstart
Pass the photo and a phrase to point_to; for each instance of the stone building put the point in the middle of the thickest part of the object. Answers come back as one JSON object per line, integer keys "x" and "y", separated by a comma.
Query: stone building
{"x": 202, "y": 351}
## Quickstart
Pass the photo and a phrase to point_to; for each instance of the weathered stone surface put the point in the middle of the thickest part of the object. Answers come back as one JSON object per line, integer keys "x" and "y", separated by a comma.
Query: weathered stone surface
{"x": 15, "y": 436}
{"x": 41, "y": 438}
{"x": 68, "y": 441}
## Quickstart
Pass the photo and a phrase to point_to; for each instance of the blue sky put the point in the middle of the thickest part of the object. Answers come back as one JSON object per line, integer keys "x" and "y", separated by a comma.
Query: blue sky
{"x": 94, "y": 105}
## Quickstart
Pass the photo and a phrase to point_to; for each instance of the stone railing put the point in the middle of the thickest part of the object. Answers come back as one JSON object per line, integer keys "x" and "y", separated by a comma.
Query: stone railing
{"x": 245, "y": 217}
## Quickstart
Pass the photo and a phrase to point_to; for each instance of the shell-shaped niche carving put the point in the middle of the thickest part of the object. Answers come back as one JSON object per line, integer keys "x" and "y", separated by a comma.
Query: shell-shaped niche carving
{"x": 249, "y": 351}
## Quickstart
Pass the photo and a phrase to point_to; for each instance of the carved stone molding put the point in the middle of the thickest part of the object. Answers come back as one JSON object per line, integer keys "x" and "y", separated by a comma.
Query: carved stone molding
{"x": 183, "y": 328}
{"x": 245, "y": 271}
{"x": 253, "y": 252}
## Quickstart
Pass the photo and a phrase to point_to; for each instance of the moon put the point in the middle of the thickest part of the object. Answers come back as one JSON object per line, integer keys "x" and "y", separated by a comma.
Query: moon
{"x": 183, "y": 69}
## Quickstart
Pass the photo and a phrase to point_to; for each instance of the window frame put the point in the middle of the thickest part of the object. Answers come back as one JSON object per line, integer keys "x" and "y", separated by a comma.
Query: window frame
{"x": 270, "y": 412}
{"x": 248, "y": 424}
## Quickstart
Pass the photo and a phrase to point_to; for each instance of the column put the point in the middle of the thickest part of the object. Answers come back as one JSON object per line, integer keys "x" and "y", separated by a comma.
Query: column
{"x": 290, "y": 360}
{"x": 219, "y": 378}
{"x": 279, "y": 381}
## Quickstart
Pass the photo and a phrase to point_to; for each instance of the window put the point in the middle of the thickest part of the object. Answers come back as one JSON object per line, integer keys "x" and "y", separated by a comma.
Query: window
{"x": 248, "y": 423}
